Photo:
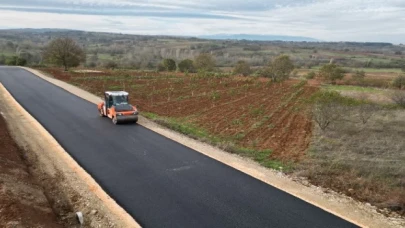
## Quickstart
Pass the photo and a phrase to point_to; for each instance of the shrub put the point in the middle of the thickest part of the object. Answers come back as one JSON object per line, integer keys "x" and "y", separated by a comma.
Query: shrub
{"x": 399, "y": 82}
{"x": 331, "y": 73}
{"x": 399, "y": 98}
{"x": 15, "y": 61}
{"x": 310, "y": 75}
{"x": 169, "y": 64}
{"x": 243, "y": 68}
{"x": 21, "y": 61}
{"x": 205, "y": 62}
{"x": 91, "y": 64}
{"x": 110, "y": 65}
{"x": 359, "y": 75}
{"x": 187, "y": 65}
{"x": 160, "y": 67}
{"x": 280, "y": 69}
{"x": 2, "y": 59}
{"x": 11, "y": 61}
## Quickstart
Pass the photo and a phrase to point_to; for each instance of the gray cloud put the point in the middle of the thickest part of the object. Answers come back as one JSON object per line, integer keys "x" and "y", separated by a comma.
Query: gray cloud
{"x": 224, "y": 5}
{"x": 356, "y": 20}
{"x": 125, "y": 12}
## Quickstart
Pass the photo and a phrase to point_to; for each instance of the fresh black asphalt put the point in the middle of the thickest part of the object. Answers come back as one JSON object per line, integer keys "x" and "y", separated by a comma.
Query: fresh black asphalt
{"x": 161, "y": 183}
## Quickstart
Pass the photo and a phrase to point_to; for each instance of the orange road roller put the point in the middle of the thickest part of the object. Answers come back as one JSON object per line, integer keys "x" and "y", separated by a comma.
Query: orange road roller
{"x": 116, "y": 107}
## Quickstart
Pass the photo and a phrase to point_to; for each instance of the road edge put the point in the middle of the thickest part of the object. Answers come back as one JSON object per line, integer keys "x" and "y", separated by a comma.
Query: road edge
{"x": 49, "y": 140}
{"x": 345, "y": 208}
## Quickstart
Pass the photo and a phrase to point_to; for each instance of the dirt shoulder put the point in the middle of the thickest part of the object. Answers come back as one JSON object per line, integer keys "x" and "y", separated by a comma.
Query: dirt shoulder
{"x": 23, "y": 202}
{"x": 359, "y": 213}
{"x": 68, "y": 188}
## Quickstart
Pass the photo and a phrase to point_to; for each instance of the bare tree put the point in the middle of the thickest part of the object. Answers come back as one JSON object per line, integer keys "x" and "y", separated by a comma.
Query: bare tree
{"x": 326, "y": 113}
{"x": 366, "y": 111}
{"x": 328, "y": 107}
{"x": 64, "y": 52}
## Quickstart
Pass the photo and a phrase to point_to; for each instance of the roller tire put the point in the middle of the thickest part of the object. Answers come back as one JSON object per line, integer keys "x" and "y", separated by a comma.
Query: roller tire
{"x": 114, "y": 120}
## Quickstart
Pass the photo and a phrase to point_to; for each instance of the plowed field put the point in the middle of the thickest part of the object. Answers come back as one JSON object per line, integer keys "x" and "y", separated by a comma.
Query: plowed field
{"x": 252, "y": 113}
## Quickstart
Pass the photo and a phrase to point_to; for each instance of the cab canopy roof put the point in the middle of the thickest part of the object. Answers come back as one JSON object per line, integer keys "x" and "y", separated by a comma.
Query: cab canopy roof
{"x": 116, "y": 93}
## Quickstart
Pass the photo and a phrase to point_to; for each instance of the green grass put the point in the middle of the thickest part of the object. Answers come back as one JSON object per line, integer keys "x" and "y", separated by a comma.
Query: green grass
{"x": 182, "y": 126}
{"x": 150, "y": 115}
{"x": 137, "y": 86}
{"x": 352, "y": 88}
{"x": 367, "y": 70}
{"x": 105, "y": 57}
{"x": 366, "y": 59}
{"x": 115, "y": 77}
{"x": 378, "y": 70}
{"x": 182, "y": 98}
{"x": 256, "y": 111}
{"x": 193, "y": 131}
{"x": 115, "y": 87}
{"x": 331, "y": 53}
{"x": 262, "y": 157}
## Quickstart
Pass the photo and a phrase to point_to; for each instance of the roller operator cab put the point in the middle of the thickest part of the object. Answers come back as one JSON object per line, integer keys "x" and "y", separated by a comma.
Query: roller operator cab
{"x": 116, "y": 107}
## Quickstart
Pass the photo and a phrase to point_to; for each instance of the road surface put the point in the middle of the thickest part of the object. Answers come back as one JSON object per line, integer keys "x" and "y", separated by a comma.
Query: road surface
{"x": 161, "y": 183}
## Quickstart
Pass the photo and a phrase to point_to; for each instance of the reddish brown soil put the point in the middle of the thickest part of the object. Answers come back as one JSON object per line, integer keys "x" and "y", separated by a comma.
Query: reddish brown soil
{"x": 22, "y": 201}
{"x": 253, "y": 113}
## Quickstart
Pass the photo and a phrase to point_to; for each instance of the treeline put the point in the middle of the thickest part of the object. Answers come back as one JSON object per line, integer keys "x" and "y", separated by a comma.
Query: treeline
{"x": 68, "y": 53}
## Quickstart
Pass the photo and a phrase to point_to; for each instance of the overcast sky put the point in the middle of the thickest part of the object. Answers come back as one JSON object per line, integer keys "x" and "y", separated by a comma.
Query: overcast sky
{"x": 329, "y": 20}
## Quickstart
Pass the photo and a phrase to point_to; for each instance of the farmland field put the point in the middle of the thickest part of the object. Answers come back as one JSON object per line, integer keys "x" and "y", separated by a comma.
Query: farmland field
{"x": 248, "y": 113}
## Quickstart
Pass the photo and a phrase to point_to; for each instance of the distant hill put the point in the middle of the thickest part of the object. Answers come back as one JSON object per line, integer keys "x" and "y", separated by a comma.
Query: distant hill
{"x": 255, "y": 37}
{"x": 250, "y": 37}
{"x": 37, "y": 30}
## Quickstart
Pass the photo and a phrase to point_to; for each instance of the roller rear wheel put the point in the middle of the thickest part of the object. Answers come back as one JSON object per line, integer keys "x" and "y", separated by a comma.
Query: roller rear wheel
{"x": 114, "y": 120}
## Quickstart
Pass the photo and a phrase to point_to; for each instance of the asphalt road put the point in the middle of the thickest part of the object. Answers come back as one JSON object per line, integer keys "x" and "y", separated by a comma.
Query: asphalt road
{"x": 161, "y": 183}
